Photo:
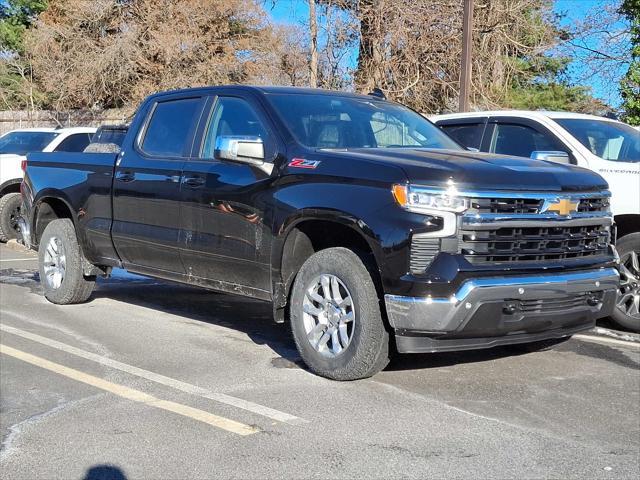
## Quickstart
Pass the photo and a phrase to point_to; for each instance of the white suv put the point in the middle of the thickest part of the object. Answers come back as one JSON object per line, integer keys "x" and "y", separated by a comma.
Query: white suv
{"x": 606, "y": 146}
{"x": 14, "y": 146}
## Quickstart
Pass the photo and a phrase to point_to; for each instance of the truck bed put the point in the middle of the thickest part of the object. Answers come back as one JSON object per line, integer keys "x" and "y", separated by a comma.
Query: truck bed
{"x": 83, "y": 179}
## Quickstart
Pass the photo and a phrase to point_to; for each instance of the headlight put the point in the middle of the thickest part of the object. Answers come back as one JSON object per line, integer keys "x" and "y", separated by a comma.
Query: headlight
{"x": 429, "y": 200}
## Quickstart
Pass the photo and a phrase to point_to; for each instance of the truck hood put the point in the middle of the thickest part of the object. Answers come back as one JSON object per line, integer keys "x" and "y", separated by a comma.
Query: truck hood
{"x": 482, "y": 170}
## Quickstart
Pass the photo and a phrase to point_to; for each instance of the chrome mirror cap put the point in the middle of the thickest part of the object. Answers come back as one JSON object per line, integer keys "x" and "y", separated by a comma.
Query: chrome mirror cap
{"x": 551, "y": 156}
{"x": 245, "y": 149}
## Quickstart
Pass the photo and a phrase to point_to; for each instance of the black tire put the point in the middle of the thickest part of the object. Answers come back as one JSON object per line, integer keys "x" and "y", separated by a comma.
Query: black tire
{"x": 74, "y": 286}
{"x": 368, "y": 350}
{"x": 626, "y": 246}
{"x": 10, "y": 205}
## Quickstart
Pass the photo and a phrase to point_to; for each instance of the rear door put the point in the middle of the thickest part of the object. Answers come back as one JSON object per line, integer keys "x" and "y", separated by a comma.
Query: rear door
{"x": 146, "y": 186}
{"x": 468, "y": 132}
{"x": 225, "y": 210}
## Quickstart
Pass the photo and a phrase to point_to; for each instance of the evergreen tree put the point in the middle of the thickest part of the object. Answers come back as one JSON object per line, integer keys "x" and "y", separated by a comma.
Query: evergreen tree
{"x": 15, "y": 17}
{"x": 630, "y": 84}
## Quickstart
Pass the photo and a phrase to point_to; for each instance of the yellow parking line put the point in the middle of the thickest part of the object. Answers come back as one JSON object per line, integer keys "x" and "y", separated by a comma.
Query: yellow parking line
{"x": 131, "y": 394}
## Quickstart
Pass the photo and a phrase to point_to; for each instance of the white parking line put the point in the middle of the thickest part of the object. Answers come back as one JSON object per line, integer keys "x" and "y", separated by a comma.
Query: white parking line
{"x": 613, "y": 341}
{"x": 18, "y": 259}
{"x": 131, "y": 393}
{"x": 155, "y": 377}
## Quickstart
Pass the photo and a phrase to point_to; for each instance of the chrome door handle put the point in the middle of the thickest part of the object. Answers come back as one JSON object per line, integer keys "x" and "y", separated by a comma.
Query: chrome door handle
{"x": 125, "y": 176}
{"x": 194, "y": 182}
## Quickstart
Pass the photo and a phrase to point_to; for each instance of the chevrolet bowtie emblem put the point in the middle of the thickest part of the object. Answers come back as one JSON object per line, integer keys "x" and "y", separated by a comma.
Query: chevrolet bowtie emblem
{"x": 563, "y": 207}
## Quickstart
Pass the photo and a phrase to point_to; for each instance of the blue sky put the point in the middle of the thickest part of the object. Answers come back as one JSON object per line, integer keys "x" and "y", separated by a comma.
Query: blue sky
{"x": 296, "y": 11}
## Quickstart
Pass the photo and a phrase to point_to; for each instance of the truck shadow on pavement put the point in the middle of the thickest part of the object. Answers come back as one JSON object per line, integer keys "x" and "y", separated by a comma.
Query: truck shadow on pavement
{"x": 253, "y": 318}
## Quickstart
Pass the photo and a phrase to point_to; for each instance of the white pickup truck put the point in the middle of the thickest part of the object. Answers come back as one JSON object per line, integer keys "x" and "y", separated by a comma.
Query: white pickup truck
{"x": 603, "y": 145}
{"x": 14, "y": 146}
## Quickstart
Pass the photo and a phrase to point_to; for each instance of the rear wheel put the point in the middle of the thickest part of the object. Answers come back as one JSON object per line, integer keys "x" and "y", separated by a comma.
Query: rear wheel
{"x": 335, "y": 317}
{"x": 10, "y": 205}
{"x": 627, "y": 311}
{"x": 61, "y": 274}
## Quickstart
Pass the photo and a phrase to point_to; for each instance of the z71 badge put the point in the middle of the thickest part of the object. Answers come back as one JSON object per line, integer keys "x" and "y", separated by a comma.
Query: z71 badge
{"x": 302, "y": 163}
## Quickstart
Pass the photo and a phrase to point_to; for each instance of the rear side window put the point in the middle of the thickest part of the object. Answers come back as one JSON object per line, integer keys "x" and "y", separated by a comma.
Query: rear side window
{"x": 170, "y": 127}
{"x": 74, "y": 143}
{"x": 467, "y": 135}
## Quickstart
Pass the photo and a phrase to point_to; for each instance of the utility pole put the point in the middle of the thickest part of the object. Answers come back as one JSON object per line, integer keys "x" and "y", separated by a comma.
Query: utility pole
{"x": 313, "y": 31}
{"x": 465, "y": 71}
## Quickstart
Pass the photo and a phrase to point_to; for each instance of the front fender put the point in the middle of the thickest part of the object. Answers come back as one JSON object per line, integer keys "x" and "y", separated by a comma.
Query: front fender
{"x": 369, "y": 210}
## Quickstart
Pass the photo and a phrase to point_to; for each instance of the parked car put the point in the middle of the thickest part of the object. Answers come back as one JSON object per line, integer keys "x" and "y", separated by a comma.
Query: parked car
{"x": 355, "y": 217}
{"x": 14, "y": 146}
{"x": 603, "y": 145}
{"x": 107, "y": 139}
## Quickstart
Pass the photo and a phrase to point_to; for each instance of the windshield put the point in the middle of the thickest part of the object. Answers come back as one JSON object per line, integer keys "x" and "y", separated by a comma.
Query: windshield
{"x": 329, "y": 121}
{"x": 608, "y": 140}
{"x": 21, "y": 143}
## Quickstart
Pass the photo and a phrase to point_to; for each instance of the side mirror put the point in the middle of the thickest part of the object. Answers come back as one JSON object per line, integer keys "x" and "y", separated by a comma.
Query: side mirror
{"x": 552, "y": 156}
{"x": 244, "y": 149}
{"x": 239, "y": 148}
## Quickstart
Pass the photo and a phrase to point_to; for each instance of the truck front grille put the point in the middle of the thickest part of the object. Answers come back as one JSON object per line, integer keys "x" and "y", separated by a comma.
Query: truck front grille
{"x": 534, "y": 244}
{"x": 527, "y": 205}
{"x": 515, "y": 228}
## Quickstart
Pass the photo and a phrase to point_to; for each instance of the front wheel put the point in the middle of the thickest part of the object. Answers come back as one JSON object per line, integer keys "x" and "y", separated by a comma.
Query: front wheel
{"x": 60, "y": 258}
{"x": 627, "y": 311}
{"x": 335, "y": 317}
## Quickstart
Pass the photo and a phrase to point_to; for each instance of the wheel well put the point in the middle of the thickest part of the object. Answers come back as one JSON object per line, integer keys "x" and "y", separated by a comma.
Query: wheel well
{"x": 49, "y": 209}
{"x": 311, "y": 236}
{"x": 626, "y": 224}
{"x": 11, "y": 188}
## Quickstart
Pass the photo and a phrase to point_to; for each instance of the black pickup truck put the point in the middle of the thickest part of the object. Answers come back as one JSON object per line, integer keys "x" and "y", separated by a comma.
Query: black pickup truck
{"x": 365, "y": 226}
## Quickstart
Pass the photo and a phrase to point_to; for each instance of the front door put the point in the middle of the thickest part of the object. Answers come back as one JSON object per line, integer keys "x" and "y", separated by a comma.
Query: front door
{"x": 225, "y": 214}
{"x": 146, "y": 187}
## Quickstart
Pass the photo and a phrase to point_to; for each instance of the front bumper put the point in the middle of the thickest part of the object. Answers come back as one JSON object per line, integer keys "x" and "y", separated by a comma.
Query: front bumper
{"x": 490, "y": 311}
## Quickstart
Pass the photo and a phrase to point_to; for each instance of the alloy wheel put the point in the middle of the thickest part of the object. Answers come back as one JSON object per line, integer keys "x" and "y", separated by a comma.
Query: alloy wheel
{"x": 55, "y": 263}
{"x": 629, "y": 295}
{"x": 329, "y": 315}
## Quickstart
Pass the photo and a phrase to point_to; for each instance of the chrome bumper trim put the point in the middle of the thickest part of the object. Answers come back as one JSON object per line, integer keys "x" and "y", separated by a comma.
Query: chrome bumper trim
{"x": 428, "y": 314}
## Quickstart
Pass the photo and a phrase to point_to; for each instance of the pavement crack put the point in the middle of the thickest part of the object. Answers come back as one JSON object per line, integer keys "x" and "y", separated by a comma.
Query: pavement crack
{"x": 7, "y": 447}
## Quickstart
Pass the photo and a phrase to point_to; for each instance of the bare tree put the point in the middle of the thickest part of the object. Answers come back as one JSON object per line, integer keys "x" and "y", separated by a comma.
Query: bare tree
{"x": 411, "y": 49}
{"x": 600, "y": 42}
{"x": 109, "y": 53}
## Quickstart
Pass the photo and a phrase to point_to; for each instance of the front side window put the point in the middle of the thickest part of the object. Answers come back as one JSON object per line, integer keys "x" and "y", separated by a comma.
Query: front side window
{"x": 74, "y": 143}
{"x": 520, "y": 140}
{"x": 466, "y": 134}
{"x": 608, "y": 140}
{"x": 332, "y": 121}
{"x": 231, "y": 117}
{"x": 170, "y": 127}
{"x": 21, "y": 143}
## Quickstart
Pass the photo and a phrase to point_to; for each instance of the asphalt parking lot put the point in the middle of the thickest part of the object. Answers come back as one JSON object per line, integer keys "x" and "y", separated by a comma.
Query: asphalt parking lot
{"x": 157, "y": 380}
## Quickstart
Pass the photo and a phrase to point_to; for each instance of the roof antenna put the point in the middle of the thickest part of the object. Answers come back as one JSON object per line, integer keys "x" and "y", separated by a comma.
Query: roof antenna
{"x": 376, "y": 92}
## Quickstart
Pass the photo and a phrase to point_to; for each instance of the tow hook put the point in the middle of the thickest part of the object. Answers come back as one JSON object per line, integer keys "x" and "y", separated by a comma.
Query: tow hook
{"x": 593, "y": 301}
